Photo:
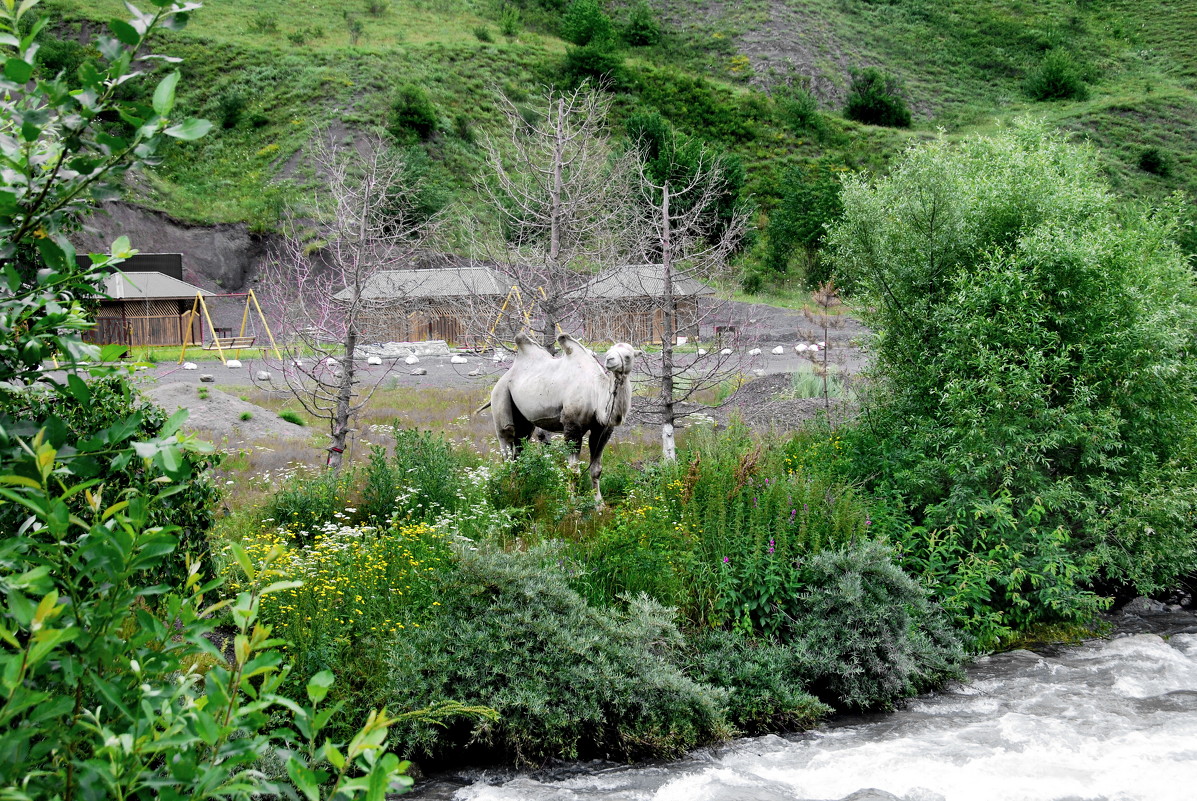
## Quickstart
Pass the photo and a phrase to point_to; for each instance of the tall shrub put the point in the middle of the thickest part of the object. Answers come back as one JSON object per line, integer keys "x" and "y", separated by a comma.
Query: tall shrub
{"x": 1033, "y": 356}
{"x": 875, "y": 98}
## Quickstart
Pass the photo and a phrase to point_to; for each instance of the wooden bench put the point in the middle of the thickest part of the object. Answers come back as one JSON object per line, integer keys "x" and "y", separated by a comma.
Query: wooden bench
{"x": 229, "y": 343}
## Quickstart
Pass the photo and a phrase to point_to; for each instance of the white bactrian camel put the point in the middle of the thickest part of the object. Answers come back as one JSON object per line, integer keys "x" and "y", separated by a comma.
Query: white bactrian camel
{"x": 570, "y": 393}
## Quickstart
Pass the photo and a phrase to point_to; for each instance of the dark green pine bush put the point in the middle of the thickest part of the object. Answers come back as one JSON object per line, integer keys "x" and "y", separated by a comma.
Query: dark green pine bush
{"x": 568, "y": 680}
{"x": 1059, "y": 76}
{"x": 874, "y": 98}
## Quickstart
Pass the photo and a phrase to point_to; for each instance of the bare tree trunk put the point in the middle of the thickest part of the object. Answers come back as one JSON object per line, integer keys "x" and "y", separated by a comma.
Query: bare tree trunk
{"x": 668, "y": 447}
{"x": 342, "y": 414}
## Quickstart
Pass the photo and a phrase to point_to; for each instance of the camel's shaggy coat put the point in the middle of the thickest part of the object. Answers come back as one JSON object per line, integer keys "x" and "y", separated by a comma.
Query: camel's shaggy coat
{"x": 570, "y": 393}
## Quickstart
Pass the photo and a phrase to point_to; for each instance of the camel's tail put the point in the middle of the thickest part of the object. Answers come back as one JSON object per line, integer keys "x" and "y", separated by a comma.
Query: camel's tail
{"x": 482, "y": 408}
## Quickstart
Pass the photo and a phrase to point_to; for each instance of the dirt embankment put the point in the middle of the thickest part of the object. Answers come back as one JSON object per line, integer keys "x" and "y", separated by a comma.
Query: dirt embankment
{"x": 219, "y": 413}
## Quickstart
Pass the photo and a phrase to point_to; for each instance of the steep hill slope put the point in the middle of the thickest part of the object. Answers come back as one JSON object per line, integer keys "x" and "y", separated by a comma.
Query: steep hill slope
{"x": 271, "y": 72}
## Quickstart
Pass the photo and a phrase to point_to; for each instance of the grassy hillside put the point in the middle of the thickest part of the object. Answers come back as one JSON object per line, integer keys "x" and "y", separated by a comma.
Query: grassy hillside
{"x": 270, "y": 72}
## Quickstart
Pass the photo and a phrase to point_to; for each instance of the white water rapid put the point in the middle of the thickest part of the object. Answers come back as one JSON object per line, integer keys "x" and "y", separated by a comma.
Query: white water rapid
{"x": 1112, "y": 719}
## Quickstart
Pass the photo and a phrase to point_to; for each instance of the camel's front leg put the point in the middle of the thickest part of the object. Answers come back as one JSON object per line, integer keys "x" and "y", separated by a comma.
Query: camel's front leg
{"x": 598, "y": 441}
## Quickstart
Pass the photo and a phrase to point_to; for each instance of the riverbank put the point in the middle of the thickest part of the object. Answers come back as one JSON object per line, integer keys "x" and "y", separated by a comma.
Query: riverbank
{"x": 1111, "y": 717}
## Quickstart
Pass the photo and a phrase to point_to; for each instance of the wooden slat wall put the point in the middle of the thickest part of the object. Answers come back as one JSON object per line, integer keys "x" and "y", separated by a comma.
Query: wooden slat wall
{"x": 156, "y": 322}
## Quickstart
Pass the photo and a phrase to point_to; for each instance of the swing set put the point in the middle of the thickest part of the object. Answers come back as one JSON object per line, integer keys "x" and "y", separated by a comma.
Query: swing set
{"x": 236, "y": 344}
{"x": 524, "y": 308}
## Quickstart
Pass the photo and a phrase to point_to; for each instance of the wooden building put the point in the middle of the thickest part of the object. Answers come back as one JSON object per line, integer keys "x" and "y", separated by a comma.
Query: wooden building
{"x": 147, "y": 303}
{"x": 456, "y": 303}
{"x": 626, "y": 304}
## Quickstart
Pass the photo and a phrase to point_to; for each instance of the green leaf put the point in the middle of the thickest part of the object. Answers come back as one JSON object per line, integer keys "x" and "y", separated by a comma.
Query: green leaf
{"x": 189, "y": 129}
{"x": 304, "y": 779}
{"x": 125, "y": 32}
{"x": 279, "y": 586}
{"x": 18, "y": 70}
{"x": 164, "y": 95}
{"x": 172, "y": 424}
{"x": 78, "y": 389}
{"x": 319, "y": 685}
{"x": 247, "y": 567}
{"x": 121, "y": 249}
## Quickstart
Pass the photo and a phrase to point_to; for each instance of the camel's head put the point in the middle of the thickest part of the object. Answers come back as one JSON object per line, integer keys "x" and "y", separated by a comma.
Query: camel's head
{"x": 619, "y": 359}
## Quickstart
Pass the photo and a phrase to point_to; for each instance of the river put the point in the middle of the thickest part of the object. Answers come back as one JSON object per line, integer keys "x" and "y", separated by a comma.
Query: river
{"x": 1112, "y": 719}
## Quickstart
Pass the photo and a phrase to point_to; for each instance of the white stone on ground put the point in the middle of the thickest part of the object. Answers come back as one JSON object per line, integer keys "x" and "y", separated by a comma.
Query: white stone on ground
{"x": 190, "y": 366}
{"x": 412, "y": 359}
{"x": 298, "y": 362}
{"x": 702, "y": 351}
{"x": 263, "y": 375}
{"x": 419, "y": 371}
{"x": 800, "y": 347}
{"x": 725, "y": 352}
{"x": 754, "y": 352}
{"x": 474, "y": 373}
{"x": 375, "y": 360}
{"x": 459, "y": 359}
{"x": 759, "y": 373}
{"x": 232, "y": 363}
{"x": 778, "y": 350}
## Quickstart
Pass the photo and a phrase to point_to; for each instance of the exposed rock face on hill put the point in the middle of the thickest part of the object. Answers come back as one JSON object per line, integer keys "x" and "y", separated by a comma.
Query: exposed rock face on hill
{"x": 221, "y": 258}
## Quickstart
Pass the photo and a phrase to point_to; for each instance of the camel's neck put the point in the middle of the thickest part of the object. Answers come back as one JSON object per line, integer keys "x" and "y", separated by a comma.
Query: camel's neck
{"x": 620, "y": 400}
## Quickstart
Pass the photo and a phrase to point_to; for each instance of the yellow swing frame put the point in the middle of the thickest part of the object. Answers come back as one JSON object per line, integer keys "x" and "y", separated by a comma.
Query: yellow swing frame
{"x": 222, "y": 344}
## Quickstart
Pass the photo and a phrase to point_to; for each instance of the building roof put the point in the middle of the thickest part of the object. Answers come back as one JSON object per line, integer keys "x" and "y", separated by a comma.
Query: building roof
{"x": 433, "y": 283}
{"x": 147, "y": 286}
{"x": 638, "y": 281}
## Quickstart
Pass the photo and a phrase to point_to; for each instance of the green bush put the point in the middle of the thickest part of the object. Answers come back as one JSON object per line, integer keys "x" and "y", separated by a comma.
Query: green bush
{"x": 586, "y": 22}
{"x": 1059, "y": 76}
{"x": 230, "y": 104}
{"x": 305, "y": 501}
{"x": 264, "y": 22}
{"x": 799, "y": 109}
{"x": 421, "y": 481}
{"x": 482, "y": 34}
{"x": 597, "y": 62}
{"x": 413, "y": 117}
{"x": 1034, "y": 359}
{"x": 874, "y": 98}
{"x": 642, "y": 28}
{"x": 1155, "y": 161}
{"x": 868, "y": 630}
{"x": 764, "y": 680}
{"x": 509, "y": 21}
{"x": 110, "y": 404}
{"x": 568, "y": 680}
{"x": 538, "y": 481}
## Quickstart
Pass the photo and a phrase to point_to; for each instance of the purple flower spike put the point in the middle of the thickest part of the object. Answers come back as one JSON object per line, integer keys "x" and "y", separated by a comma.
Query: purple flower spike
{"x": 726, "y": 559}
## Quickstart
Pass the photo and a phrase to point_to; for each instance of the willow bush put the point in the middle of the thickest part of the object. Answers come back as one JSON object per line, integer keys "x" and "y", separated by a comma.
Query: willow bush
{"x": 1034, "y": 373}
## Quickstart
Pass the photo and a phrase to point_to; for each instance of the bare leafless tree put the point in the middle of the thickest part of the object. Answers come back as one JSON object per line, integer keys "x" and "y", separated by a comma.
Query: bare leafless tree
{"x": 327, "y": 289}
{"x": 689, "y": 247}
{"x": 559, "y": 194}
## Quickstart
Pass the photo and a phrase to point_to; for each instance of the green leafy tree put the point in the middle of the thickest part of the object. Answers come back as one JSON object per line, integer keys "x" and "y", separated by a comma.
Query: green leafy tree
{"x": 413, "y": 117}
{"x": 108, "y": 686}
{"x": 1034, "y": 373}
{"x": 585, "y": 22}
{"x": 810, "y": 201}
{"x": 642, "y": 29}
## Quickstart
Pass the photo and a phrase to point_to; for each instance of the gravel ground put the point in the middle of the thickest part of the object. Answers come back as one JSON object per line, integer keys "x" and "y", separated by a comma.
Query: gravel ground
{"x": 757, "y": 401}
{"x": 221, "y": 413}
